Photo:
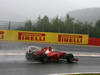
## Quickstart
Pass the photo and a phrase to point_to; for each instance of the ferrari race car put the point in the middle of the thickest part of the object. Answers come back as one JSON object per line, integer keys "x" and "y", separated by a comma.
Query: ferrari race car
{"x": 47, "y": 54}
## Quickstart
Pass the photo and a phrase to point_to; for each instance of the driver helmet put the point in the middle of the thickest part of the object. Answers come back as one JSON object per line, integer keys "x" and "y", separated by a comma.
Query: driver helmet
{"x": 50, "y": 48}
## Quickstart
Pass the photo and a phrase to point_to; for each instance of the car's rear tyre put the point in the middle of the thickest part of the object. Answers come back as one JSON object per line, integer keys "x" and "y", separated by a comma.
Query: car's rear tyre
{"x": 70, "y": 58}
{"x": 28, "y": 56}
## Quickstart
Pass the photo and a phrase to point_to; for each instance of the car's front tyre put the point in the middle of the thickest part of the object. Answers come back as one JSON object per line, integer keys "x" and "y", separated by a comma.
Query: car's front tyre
{"x": 70, "y": 58}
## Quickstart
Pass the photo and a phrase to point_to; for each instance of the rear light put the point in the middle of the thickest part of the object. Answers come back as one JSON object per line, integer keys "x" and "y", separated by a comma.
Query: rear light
{"x": 29, "y": 50}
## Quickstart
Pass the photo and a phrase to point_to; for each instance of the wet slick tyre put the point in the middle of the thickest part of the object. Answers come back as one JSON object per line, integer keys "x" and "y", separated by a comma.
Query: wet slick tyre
{"x": 44, "y": 59}
{"x": 28, "y": 56}
{"x": 70, "y": 58}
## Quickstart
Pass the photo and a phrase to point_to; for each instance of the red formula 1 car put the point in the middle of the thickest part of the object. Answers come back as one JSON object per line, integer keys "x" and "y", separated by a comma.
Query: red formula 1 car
{"x": 47, "y": 54}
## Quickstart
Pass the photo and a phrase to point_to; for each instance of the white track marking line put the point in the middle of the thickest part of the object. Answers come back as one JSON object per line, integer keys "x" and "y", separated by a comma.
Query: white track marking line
{"x": 76, "y": 73}
{"x": 12, "y": 54}
{"x": 75, "y": 54}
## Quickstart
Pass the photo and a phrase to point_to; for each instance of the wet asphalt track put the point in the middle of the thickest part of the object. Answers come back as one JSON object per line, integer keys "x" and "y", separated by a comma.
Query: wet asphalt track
{"x": 18, "y": 65}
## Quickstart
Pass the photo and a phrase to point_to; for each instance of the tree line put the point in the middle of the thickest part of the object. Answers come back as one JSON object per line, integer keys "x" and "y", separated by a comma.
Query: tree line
{"x": 67, "y": 25}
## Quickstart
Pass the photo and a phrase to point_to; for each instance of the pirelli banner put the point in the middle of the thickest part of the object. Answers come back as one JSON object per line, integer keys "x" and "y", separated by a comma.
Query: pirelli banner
{"x": 44, "y": 37}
